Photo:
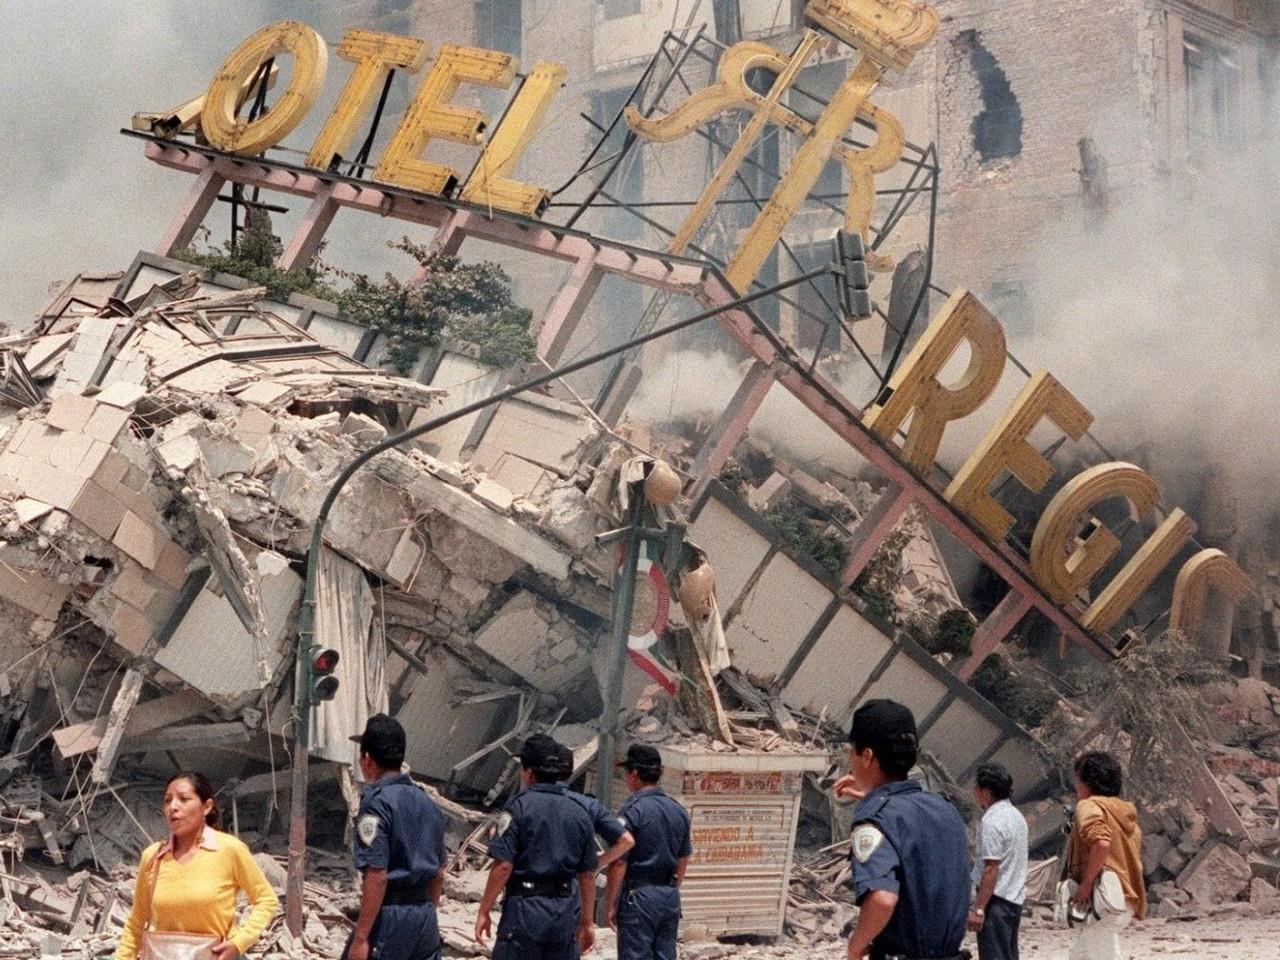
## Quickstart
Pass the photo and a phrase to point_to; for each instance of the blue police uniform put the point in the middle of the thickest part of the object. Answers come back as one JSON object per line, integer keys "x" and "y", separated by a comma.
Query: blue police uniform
{"x": 607, "y": 827}
{"x": 912, "y": 843}
{"x": 548, "y": 839}
{"x": 399, "y": 829}
{"x": 649, "y": 909}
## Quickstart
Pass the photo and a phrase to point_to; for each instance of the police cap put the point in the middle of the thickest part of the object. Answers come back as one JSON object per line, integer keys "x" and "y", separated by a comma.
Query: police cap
{"x": 889, "y": 729}
{"x": 383, "y": 740}
{"x": 643, "y": 760}
{"x": 541, "y": 754}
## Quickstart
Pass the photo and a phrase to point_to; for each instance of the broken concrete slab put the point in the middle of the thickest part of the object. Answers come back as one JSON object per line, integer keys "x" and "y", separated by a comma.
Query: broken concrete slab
{"x": 363, "y": 429}
{"x": 1217, "y": 874}
{"x": 70, "y": 412}
{"x": 493, "y": 495}
{"x": 122, "y": 395}
{"x": 149, "y": 715}
{"x": 142, "y": 541}
{"x": 213, "y": 652}
{"x": 521, "y": 543}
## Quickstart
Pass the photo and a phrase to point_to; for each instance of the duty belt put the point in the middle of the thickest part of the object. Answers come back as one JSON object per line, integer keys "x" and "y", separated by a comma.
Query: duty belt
{"x": 399, "y": 895}
{"x": 540, "y": 887}
{"x": 649, "y": 880}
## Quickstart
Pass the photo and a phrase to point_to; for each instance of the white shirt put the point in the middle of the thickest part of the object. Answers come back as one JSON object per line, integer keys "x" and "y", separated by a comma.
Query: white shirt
{"x": 1002, "y": 836}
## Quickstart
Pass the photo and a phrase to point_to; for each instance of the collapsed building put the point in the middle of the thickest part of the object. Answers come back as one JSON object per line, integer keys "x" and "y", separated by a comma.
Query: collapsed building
{"x": 170, "y": 437}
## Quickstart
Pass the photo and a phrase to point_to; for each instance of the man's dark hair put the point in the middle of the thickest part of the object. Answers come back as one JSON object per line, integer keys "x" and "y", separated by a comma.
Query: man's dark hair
{"x": 995, "y": 779}
{"x": 888, "y": 729}
{"x": 1100, "y": 772}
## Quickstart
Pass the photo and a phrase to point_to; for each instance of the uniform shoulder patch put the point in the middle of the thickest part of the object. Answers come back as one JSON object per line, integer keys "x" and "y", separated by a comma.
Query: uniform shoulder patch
{"x": 504, "y": 824}
{"x": 367, "y": 828}
{"x": 866, "y": 840}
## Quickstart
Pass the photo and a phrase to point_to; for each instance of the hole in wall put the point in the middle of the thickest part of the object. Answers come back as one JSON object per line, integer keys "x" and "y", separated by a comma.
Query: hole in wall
{"x": 997, "y": 129}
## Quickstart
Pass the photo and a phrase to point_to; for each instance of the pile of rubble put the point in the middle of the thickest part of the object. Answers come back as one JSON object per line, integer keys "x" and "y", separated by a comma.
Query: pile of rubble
{"x": 162, "y": 463}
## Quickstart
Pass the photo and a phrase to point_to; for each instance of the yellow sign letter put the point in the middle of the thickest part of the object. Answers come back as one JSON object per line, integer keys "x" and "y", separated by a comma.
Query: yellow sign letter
{"x": 915, "y": 385}
{"x": 490, "y": 184}
{"x": 375, "y": 55}
{"x": 431, "y": 115}
{"x": 1208, "y": 569}
{"x": 1063, "y": 572}
{"x": 219, "y": 121}
{"x": 1143, "y": 567}
{"x": 1006, "y": 447}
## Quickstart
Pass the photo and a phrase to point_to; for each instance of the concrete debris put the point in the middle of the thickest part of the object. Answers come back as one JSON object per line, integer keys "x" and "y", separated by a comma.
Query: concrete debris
{"x": 1217, "y": 874}
{"x": 159, "y": 481}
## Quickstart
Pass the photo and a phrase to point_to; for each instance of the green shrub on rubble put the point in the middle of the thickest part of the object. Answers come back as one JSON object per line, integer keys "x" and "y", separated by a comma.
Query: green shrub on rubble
{"x": 253, "y": 257}
{"x": 470, "y": 303}
{"x": 827, "y": 548}
{"x": 1025, "y": 701}
{"x": 734, "y": 477}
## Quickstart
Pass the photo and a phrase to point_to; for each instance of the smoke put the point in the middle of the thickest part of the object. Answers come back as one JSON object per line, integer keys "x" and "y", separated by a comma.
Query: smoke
{"x": 1161, "y": 319}
{"x": 692, "y": 385}
{"x": 79, "y": 196}
{"x": 1160, "y": 316}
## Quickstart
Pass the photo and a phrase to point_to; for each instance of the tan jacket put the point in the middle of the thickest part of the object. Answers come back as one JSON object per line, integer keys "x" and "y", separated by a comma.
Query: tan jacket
{"x": 1110, "y": 818}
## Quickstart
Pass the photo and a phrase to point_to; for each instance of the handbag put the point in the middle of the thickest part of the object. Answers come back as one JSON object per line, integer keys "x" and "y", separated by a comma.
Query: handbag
{"x": 1107, "y": 901}
{"x": 159, "y": 945}
{"x": 1066, "y": 913}
{"x": 1108, "y": 895}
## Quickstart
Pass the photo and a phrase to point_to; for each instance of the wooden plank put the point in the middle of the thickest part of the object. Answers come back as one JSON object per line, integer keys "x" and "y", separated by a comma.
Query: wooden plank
{"x": 700, "y": 698}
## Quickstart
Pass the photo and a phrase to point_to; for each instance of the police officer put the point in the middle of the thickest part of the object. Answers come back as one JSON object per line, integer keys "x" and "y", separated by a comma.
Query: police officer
{"x": 909, "y": 850}
{"x": 644, "y": 886}
{"x": 544, "y": 843}
{"x": 399, "y": 850}
{"x": 612, "y": 830}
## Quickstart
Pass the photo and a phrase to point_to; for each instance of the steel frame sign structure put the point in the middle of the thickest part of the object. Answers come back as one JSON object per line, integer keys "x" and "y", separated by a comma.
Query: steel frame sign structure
{"x": 898, "y": 432}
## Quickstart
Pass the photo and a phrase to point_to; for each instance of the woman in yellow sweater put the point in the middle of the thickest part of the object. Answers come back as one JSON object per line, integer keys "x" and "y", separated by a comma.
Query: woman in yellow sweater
{"x": 188, "y": 883}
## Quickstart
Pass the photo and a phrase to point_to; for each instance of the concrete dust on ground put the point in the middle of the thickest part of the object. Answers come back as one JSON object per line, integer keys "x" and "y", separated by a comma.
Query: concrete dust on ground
{"x": 1216, "y": 938}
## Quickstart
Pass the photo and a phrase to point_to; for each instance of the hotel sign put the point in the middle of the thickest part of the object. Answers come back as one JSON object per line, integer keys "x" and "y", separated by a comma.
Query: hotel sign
{"x": 1069, "y": 549}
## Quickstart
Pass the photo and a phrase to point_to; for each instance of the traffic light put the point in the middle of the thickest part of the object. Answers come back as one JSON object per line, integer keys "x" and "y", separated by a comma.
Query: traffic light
{"x": 324, "y": 685}
{"x": 851, "y": 265}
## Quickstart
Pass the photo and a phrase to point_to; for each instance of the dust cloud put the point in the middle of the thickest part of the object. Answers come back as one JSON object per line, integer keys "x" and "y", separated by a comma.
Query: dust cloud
{"x": 79, "y": 196}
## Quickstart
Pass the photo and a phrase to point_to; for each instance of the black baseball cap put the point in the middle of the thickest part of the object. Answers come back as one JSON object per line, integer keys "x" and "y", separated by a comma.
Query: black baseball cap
{"x": 542, "y": 754}
{"x": 383, "y": 740}
{"x": 883, "y": 723}
{"x": 643, "y": 759}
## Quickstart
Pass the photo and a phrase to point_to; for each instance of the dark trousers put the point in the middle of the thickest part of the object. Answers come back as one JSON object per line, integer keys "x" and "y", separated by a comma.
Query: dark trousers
{"x": 404, "y": 931}
{"x": 998, "y": 938}
{"x": 538, "y": 928}
{"x": 648, "y": 922}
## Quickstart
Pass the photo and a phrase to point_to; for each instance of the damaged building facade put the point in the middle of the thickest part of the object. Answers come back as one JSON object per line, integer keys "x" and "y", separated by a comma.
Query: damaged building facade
{"x": 171, "y": 436}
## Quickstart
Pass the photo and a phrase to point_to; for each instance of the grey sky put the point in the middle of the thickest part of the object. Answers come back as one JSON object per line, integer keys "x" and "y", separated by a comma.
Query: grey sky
{"x": 77, "y": 195}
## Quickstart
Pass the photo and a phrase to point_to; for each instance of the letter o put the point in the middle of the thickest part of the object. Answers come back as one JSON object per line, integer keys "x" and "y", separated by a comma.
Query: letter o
{"x": 219, "y": 121}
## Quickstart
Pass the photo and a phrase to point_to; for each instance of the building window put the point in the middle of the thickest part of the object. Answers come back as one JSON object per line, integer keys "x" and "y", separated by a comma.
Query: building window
{"x": 1213, "y": 99}
{"x": 499, "y": 26}
{"x": 613, "y": 9}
